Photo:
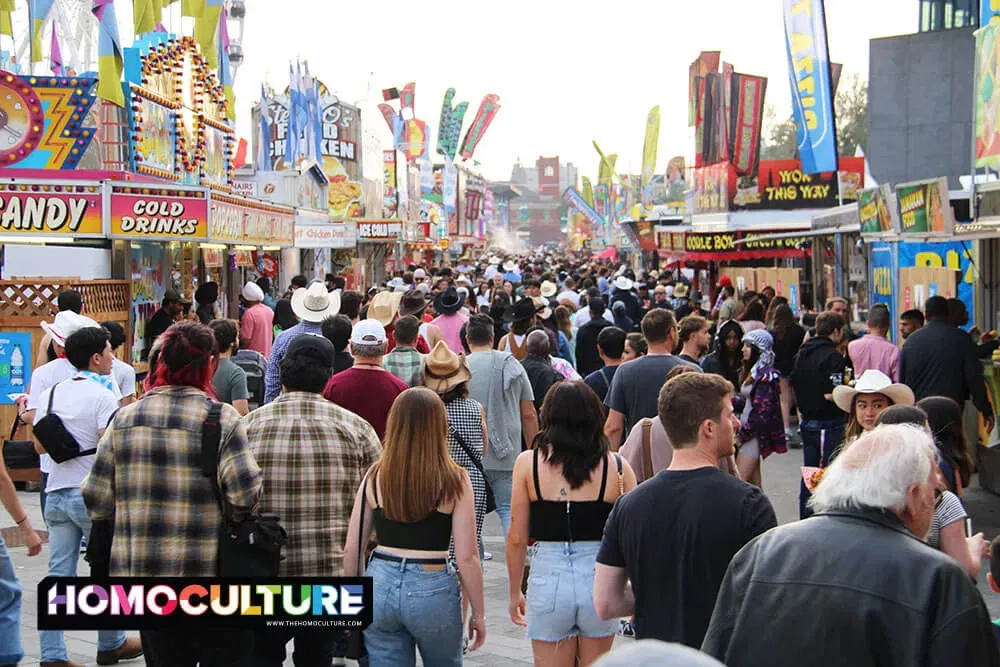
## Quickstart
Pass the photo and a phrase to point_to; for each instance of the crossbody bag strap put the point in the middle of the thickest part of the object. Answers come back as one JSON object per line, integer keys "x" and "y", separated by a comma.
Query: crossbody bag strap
{"x": 211, "y": 436}
{"x": 468, "y": 450}
{"x": 362, "y": 539}
{"x": 607, "y": 382}
{"x": 621, "y": 476}
{"x": 647, "y": 447}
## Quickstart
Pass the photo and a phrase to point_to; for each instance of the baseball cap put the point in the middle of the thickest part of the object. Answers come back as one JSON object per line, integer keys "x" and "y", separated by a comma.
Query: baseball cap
{"x": 368, "y": 332}
{"x": 173, "y": 296}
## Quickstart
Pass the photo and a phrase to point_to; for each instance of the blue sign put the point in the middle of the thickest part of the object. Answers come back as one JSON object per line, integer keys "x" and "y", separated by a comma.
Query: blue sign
{"x": 953, "y": 255}
{"x": 15, "y": 365}
{"x": 881, "y": 280}
{"x": 809, "y": 75}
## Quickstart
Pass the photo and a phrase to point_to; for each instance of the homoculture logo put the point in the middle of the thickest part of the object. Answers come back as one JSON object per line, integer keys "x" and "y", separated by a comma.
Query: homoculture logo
{"x": 142, "y": 603}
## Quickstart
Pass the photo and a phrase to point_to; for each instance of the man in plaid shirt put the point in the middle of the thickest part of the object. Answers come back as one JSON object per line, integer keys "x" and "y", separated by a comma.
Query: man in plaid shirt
{"x": 405, "y": 361}
{"x": 314, "y": 455}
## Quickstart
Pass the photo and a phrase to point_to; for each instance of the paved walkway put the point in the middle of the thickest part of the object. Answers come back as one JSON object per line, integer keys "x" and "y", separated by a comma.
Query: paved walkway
{"x": 506, "y": 643}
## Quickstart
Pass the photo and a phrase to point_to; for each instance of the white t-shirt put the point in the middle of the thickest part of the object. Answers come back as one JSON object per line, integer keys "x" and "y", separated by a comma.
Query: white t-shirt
{"x": 569, "y": 295}
{"x": 124, "y": 376}
{"x": 582, "y": 316}
{"x": 42, "y": 378}
{"x": 85, "y": 408}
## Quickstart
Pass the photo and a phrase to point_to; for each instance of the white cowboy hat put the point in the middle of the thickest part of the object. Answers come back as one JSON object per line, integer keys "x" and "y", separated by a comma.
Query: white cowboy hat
{"x": 549, "y": 289}
{"x": 510, "y": 265}
{"x": 542, "y": 309}
{"x": 314, "y": 303}
{"x": 623, "y": 283}
{"x": 384, "y": 307}
{"x": 872, "y": 382}
{"x": 66, "y": 324}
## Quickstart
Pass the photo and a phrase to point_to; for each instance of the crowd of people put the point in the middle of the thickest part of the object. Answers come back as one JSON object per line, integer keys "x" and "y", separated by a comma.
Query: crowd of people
{"x": 615, "y": 423}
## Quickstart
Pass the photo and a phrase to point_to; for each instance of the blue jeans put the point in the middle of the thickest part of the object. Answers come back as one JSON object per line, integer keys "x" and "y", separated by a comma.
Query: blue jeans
{"x": 502, "y": 482}
{"x": 416, "y": 606}
{"x": 68, "y": 522}
{"x": 10, "y": 610}
{"x": 821, "y": 438}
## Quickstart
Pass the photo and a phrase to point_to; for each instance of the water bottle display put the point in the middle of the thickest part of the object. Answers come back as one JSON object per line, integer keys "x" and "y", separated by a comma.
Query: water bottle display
{"x": 15, "y": 365}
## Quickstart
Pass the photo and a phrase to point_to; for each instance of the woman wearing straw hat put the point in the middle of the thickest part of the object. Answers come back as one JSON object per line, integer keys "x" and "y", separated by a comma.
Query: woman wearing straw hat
{"x": 447, "y": 374}
{"x": 864, "y": 402}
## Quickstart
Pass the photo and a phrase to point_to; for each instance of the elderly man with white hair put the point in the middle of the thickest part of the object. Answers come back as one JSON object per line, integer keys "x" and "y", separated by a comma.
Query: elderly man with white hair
{"x": 855, "y": 584}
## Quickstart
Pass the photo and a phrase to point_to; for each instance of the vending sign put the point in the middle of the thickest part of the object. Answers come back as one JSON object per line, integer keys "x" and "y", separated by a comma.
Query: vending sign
{"x": 46, "y": 209}
{"x": 155, "y": 213}
{"x": 235, "y": 221}
{"x": 379, "y": 230}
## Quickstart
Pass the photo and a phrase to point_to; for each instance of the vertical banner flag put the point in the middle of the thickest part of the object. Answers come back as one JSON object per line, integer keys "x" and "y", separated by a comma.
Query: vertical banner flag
{"x": 727, "y": 117}
{"x": 192, "y": 8}
{"x": 6, "y": 23}
{"x": 55, "y": 54}
{"x": 748, "y": 116}
{"x": 699, "y": 121}
{"x": 836, "y": 69}
{"x": 294, "y": 127}
{"x": 606, "y": 170}
{"x": 109, "y": 53}
{"x": 707, "y": 61}
{"x": 987, "y": 89}
{"x": 649, "y": 146}
{"x": 449, "y": 190}
{"x": 390, "y": 203}
{"x": 406, "y": 100}
{"x": 989, "y": 12}
{"x": 206, "y": 28}
{"x": 225, "y": 71}
{"x": 39, "y": 11}
{"x": 265, "y": 121}
{"x": 809, "y": 75}
{"x": 143, "y": 18}
{"x": 488, "y": 109}
{"x": 719, "y": 147}
{"x": 587, "y": 192}
{"x": 450, "y": 126}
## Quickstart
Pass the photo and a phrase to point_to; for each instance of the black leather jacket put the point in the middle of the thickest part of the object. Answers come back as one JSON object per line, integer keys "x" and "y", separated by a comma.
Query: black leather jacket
{"x": 851, "y": 588}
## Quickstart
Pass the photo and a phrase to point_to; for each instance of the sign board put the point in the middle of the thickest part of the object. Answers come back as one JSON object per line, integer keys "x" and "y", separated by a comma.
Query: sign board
{"x": 371, "y": 231}
{"x": 877, "y": 210}
{"x": 925, "y": 207}
{"x": 15, "y": 365}
{"x": 718, "y": 246}
{"x": 235, "y": 221}
{"x": 159, "y": 213}
{"x": 328, "y": 234}
{"x": 42, "y": 208}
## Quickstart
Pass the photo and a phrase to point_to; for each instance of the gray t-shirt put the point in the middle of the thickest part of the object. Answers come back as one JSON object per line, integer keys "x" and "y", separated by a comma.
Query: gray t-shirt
{"x": 482, "y": 364}
{"x": 230, "y": 382}
{"x": 635, "y": 389}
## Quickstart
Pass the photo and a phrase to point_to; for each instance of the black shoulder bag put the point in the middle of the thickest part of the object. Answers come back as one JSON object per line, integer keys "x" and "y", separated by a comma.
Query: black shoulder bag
{"x": 19, "y": 454}
{"x": 58, "y": 442}
{"x": 491, "y": 501}
{"x": 252, "y": 547}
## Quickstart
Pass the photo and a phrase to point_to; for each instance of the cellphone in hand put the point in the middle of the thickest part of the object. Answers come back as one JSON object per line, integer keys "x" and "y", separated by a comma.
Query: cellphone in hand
{"x": 968, "y": 527}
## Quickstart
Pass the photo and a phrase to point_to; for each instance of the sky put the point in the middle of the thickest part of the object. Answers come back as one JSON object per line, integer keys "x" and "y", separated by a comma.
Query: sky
{"x": 567, "y": 73}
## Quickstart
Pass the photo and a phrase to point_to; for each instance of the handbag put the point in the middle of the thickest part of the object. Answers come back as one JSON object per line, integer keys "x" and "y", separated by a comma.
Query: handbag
{"x": 58, "y": 442}
{"x": 19, "y": 454}
{"x": 491, "y": 501}
{"x": 356, "y": 638}
{"x": 249, "y": 548}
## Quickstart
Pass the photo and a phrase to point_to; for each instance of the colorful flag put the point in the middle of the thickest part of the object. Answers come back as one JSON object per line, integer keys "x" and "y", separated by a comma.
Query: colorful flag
{"x": 55, "y": 54}
{"x": 264, "y": 124}
{"x": 587, "y": 192}
{"x": 225, "y": 71}
{"x": 192, "y": 8}
{"x": 206, "y": 30}
{"x": 6, "y": 24}
{"x": 809, "y": 75}
{"x": 416, "y": 139}
{"x": 109, "y": 53}
{"x": 987, "y": 99}
{"x": 39, "y": 11}
{"x": 240, "y": 159}
{"x": 748, "y": 113}
{"x": 989, "y": 12}
{"x": 406, "y": 98}
{"x": 293, "y": 129}
{"x": 390, "y": 94}
{"x": 649, "y": 146}
{"x": 450, "y": 126}
{"x": 606, "y": 169}
{"x": 707, "y": 61}
{"x": 144, "y": 17}
{"x": 488, "y": 109}
{"x": 727, "y": 116}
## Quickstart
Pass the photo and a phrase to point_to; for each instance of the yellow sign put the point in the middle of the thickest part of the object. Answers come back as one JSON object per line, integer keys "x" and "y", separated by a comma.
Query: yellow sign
{"x": 45, "y": 209}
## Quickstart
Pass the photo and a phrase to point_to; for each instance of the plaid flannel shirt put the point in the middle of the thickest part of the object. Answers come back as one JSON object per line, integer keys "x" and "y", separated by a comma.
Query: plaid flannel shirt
{"x": 406, "y": 364}
{"x": 147, "y": 474}
{"x": 314, "y": 455}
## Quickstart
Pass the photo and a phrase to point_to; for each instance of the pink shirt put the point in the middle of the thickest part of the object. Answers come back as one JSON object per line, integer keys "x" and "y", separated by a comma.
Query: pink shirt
{"x": 258, "y": 328}
{"x": 450, "y": 326}
{"x": 871, "y": 351}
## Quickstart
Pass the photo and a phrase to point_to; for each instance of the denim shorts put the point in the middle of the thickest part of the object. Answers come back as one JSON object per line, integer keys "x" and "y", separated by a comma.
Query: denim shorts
{"x": 561, "y": 593}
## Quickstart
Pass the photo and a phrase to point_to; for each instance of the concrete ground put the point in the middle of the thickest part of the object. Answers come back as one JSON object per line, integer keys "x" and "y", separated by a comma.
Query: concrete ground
{"x": 505, "y": 643}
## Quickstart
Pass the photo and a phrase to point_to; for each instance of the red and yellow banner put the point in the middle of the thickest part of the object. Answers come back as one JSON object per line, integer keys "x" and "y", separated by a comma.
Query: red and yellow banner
{"x": 71, "y": 210}
{"x": 748, "y": 96}
{"x": 159, "y": 213}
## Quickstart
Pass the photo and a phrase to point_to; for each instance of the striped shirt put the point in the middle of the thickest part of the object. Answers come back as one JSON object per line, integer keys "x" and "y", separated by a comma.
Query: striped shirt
{"x": 147, "y": 474}
{"x": 314, "y": 455}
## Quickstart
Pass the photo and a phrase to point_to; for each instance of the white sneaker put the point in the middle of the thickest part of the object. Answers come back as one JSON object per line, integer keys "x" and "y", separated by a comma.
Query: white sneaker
{"x": 487, "y": 555}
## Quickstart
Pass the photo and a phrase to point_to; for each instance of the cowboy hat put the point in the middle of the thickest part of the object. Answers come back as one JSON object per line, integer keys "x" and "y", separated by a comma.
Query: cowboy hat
{"x": 872, "y": 382}
{"x": 66, "y": 324}
{"x": 542, "y": 308}
{"x": 314, "y": 304}
{"x": 412, "y": 303}
{"x": 517, "y": 312}
{"x": 384, "y": 307}
{"x": 443, "y": 369}
{"x": 448, "y": 302}
{"x": 510, "y": 265}
{"x": 623, "y": 283}
{"x": 680, "y": 290}
{"x": 549, "y": 289}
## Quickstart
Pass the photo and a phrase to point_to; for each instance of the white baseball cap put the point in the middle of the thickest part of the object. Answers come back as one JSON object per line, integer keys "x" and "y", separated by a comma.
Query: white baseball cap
{"x": 368, "y": 332}
{"x": 419, "y": 273}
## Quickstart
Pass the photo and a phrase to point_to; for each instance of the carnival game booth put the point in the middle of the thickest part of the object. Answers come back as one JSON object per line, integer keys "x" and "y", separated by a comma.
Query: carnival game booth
{"x": 24, "y": 304}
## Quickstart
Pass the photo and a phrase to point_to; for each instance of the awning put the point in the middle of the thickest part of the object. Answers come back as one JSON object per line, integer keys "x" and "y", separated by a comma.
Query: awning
{"x": 608, "y": 253}
{"x": 850, "y": 229}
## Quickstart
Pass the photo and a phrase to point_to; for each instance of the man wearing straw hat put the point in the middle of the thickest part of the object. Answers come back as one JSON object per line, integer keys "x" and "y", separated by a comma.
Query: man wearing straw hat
{"x": 311, "y": 305}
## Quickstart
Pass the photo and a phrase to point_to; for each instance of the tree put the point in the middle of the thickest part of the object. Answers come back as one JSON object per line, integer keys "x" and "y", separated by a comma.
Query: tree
{"x": 778, "y": 140}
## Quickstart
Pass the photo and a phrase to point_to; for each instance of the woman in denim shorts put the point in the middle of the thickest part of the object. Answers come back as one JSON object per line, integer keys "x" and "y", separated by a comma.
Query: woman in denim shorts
{"x": 563, "y": 491}
{"x": 416, "y": 498}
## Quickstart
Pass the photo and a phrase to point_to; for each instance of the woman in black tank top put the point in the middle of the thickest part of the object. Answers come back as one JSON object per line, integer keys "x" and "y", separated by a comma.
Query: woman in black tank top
{"x": 563, "y": 492}
{"x": 416, "y": 498}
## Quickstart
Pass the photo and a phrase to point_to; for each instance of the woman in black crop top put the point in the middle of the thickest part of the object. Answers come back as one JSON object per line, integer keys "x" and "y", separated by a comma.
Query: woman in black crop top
{"x": 563, "y": 491}
{"x": 416, "y": 497}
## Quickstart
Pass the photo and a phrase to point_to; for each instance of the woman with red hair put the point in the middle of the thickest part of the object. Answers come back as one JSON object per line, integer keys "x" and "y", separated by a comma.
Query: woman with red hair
{"x": 147, "y": 477}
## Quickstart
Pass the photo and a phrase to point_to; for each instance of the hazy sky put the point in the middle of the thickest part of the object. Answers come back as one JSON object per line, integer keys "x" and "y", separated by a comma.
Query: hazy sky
{"x": 566, "y": 72}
